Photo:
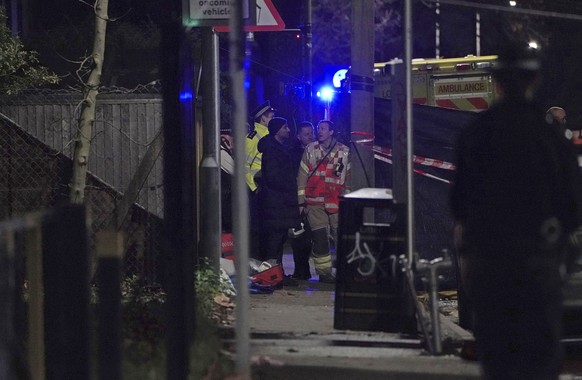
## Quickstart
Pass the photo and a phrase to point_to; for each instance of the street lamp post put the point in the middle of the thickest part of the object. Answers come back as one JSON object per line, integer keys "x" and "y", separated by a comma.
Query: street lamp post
{"x": 326, "y": 95}
{"x": 308, "y": 58}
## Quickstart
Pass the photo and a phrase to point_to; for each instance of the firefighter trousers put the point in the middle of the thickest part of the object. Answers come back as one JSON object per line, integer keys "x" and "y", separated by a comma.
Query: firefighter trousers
{"x": 323, "y": 227}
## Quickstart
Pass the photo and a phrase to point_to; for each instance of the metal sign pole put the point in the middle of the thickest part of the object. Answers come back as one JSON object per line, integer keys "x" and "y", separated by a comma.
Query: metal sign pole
{"x": 409, "y": 129}
{"x": 241, "y": 205}
{"x": 210, "y": 183}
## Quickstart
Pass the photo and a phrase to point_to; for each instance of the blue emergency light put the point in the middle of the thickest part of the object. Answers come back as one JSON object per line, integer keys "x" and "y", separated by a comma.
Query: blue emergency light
{"x": 325, "y": 93}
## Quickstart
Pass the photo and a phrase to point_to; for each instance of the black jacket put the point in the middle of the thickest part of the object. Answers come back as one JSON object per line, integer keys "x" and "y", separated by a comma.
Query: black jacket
{"x": 297, "y": 150}
{"x": 515, "y": 173}
{"x": 278, "y": 191}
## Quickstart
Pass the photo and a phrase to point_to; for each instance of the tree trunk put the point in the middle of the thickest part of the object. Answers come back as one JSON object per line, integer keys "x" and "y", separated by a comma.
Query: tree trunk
{"x": 87, "y": 118}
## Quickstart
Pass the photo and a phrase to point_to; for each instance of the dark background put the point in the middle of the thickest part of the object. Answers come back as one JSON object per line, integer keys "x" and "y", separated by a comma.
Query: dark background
{"x": 62, "y": 34}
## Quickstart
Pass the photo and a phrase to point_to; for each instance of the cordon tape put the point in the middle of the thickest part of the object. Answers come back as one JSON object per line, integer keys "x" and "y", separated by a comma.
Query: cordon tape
{"x": 380, "y": 153}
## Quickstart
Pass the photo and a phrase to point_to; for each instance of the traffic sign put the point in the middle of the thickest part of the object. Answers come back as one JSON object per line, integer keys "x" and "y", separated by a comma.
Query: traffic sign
{"x": 215, "y": 12}
{"x": 267, "y": 16}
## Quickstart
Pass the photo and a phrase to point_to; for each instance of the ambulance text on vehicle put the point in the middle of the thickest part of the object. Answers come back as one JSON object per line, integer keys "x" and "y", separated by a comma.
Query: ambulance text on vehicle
{"x": 458, "y": 83}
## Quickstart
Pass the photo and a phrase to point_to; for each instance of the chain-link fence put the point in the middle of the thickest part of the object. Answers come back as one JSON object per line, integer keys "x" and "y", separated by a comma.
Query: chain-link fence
{"x": 37, "y": 132}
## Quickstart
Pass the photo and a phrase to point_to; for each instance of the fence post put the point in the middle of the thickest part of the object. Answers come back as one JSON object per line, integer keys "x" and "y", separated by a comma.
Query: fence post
{"x": 34, "y": 275}
{"x": 109, "y": 253}
{"x": 7, "y": 369}
{"x": 66, "y": 263}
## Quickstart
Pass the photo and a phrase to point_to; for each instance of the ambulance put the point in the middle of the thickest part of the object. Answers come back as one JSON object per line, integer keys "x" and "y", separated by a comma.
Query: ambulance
{"x": 458, "y": 83}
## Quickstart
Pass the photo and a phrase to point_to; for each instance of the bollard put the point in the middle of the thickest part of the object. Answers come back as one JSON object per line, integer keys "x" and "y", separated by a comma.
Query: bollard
{"x": 109, "y": 252}
{"x": 66, "y": 274}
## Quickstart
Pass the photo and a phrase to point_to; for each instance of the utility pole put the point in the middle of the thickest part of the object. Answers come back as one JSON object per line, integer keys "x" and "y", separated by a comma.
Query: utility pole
{"x": 180, "y": 209}
{"x": 14, "y": 27}
{"x": 437, "y": 30}
{"x": 362, "y": 98}
{"x": 308, "y": 58}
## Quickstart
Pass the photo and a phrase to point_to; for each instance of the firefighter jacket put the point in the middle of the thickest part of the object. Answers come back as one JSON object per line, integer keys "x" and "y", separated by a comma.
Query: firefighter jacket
{"x": 254, "y": 157}
{"x": 323, "y": 176}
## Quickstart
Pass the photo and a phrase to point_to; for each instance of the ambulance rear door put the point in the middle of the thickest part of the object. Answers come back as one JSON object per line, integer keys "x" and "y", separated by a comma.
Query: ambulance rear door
{"x": 471, "y": 92}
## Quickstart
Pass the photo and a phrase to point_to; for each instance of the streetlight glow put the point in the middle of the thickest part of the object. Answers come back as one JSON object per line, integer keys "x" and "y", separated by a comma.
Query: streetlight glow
{"x": 512, "y": 3}
{"x": 533, "y": 45}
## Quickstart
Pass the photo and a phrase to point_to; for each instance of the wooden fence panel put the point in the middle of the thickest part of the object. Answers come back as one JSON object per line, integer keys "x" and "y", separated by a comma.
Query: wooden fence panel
{"x": 125, "y": 126}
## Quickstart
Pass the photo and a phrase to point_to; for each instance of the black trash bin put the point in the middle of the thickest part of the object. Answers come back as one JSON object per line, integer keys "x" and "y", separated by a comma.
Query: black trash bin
{"x": 371, "y": 289}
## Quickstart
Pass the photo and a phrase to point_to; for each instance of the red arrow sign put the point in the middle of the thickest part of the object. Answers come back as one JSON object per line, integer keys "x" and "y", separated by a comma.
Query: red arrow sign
{"x": 268, "y": 19}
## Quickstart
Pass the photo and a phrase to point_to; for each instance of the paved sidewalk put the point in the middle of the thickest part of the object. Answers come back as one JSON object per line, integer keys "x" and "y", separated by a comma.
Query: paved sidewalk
{"x": 293, "y": 338}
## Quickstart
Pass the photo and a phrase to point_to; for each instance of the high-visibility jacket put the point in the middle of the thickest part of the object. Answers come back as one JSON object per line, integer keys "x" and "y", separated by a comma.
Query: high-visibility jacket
{"x": 322, "y": 179}
{"x": 254, "y": 157}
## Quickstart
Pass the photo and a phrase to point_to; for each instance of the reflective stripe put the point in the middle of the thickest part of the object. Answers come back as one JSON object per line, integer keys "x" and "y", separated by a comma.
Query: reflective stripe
{"x": 322, "y": 264}
{"x": 301, "y": 192}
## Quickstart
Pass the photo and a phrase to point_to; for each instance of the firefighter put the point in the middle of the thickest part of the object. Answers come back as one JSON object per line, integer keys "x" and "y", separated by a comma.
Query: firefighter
{"x": 323, "y": 175}
{"x": 261, "y": 117}
{"x": 516, "y": 202}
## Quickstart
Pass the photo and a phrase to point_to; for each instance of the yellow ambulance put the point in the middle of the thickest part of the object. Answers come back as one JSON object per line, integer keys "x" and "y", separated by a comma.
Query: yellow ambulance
{"x": 458, "y": 83}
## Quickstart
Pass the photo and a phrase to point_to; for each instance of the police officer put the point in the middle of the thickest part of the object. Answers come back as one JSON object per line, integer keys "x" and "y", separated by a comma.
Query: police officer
{"x": 515, "y": 200}
{"x": 261, "y": 117}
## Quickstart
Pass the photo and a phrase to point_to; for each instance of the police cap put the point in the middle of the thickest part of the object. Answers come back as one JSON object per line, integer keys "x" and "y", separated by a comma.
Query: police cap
{"x": 260, "y": 110}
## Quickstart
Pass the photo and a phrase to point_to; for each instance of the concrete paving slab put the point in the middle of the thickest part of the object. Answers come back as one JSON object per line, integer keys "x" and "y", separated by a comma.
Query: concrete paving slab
{"x": 305, "y": 309}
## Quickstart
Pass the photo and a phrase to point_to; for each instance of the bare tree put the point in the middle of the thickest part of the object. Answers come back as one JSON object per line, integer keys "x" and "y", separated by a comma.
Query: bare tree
{"x": 87, "y": 115}
{"x": 332, "y": 30}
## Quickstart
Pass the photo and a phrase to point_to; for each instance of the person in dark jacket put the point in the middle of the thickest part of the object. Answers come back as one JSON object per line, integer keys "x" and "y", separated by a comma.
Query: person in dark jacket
{"x": 301, "y": 243}
{"x": 516, "y": 201}
{"x": 278, "y": 207}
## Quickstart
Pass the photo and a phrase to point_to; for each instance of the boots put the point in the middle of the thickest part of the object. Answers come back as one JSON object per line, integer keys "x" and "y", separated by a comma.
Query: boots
{"x": 327, "y": 278}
